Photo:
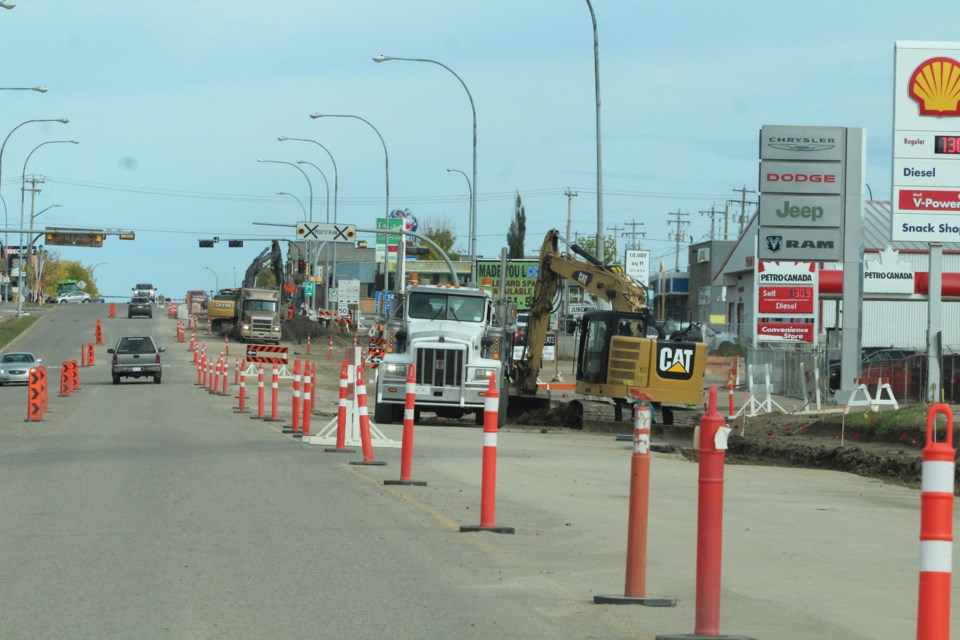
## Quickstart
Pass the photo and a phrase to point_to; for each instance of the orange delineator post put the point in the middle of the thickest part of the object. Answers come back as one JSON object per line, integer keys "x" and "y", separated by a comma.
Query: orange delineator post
{"x": 34, "y": 403}
{"x": 242, "y": 408}
{"x": 113, "y": 310}
{"x": 226, "y": 377}
{"x": 260, "y": 390}
{"x": 709, "y": 526}
{"x": 635, "y": 589}
{"x": 406, "y": 445}
{"x": 274, "y": 394}
{"x": 308, "y": 344}
{"x": 342, "y": 411}
{"x": 199, "y": 370}
{"x": 83, "y": 355}
{"x": 936, "y": 530}
{"x": 65, "y": 380}
{"x": 330, "y": 350}
{"x": 91, "y": 356}
{"x": 43, "y": 387}
{"x": 306, "y": 400}
{"x": 236, "y": 371}
{"x": 313, "y": 386}
{"x": 226, "y": 344}
{"x": 365, "y": 440}
{"x": 99, "y": 332}
{"x": 296, "y": 397}
{"x": 488, "y": 482}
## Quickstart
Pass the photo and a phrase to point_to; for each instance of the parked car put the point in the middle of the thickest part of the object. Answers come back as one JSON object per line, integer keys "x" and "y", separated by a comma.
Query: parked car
{"x": 73, "y": 297}
{"x": 136, "y": 357}
{"x": 140, "y": 306}
{"x": 15, "y": 366}
{"x": 720, "y": 342}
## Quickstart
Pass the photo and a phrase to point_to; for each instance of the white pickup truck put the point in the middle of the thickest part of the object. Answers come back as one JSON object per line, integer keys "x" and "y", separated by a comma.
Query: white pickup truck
{"x": 145, "y": 290}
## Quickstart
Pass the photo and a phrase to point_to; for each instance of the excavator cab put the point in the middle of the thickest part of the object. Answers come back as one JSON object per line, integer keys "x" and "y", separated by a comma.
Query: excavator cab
{"x": 616, "y": 359}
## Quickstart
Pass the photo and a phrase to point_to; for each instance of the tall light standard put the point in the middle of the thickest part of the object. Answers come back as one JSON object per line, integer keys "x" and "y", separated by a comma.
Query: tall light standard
{"x": 473, "y": 260}
{"x": 328, "y": 277}
{"x": 596, "y": 82}
{"x": 23, "y": 191}
{"x": 284, "y": 193}
{"x": 305, "y": 177}
{"x": 4, "y": 146}
{"x": 94, "y": 268}
{"x": 6, "y": 4}
{"x": 216, "y": 281}
{"x": 386, "y": 166}
{"x": 37, "y": 89}
{"x": 325, "y": 182}
{"x": 473, "y": 198}
{"x": 315, "y": 260}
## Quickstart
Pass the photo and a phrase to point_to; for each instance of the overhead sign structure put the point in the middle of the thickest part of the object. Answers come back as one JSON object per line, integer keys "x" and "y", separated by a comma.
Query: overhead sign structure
{"x": 926, "y": 142}
{"x": 787, "y": 293}
{"x": 326, "y": 232}
{"x": 803, "y": 180}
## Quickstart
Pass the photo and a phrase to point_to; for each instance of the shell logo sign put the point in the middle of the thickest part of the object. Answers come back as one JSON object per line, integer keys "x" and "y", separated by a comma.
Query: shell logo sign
{"x": 935, "y": 86}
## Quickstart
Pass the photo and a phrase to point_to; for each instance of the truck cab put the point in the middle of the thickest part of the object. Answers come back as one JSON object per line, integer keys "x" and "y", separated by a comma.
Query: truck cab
{"x": 457, "y": 338}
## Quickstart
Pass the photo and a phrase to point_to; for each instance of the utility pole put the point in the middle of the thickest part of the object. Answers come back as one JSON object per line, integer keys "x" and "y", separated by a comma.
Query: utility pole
{"x": 633, "y": 224}
{"x": 726, "y": 220}
{"x": 678, "y": 235}
{"x": 566, "y": 283}
{"x": 713, "y": 212}
{"x": 616, "y": 232}
{"x": 34, "y": 181}
{"x": 743, "y": 204}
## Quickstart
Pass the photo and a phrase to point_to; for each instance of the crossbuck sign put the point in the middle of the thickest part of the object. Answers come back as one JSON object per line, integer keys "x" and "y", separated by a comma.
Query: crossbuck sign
{"x": 326, "y": 232}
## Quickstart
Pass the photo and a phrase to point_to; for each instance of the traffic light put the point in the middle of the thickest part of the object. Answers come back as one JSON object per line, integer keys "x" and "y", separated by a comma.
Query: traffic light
{"x": 301, "y": 266}
{"x": 206, "y": 244}
{"x": 235, "y": 243}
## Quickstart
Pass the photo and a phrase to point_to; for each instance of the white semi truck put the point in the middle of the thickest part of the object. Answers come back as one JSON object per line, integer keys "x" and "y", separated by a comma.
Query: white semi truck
{"x": 457, "y": 338}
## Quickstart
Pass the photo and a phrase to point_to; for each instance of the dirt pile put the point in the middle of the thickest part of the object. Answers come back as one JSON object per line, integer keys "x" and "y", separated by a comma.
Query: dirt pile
{"x": 297, "y": 329}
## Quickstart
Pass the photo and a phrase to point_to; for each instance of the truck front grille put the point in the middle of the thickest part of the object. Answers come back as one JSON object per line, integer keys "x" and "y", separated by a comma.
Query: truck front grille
{"x": 440, "y": 367}
{"x": 262, "y": 324}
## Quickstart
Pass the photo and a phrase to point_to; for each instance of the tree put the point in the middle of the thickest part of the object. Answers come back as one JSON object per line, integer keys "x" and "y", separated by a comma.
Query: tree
{"x": 589, "y": 244}
{"x": 518, "y": 230}
{"x": 53, "y": 269}
{"x": 441, "y": 232}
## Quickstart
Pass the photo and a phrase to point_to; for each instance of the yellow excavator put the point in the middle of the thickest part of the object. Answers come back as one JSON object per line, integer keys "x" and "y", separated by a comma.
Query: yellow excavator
{"x": 614, "y": 358}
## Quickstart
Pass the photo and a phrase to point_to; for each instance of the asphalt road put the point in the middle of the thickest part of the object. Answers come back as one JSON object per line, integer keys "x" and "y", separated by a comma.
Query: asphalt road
{"x": 154, "y": 511}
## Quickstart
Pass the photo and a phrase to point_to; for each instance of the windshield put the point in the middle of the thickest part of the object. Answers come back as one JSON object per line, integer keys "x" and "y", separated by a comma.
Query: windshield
{"x": 260, "y": 305}
{"x": 441, "y": 306}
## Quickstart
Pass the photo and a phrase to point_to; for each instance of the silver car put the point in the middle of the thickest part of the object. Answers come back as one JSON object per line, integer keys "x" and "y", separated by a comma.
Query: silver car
{"x": 15, "y": 366}
{"x": 73, "y": 296}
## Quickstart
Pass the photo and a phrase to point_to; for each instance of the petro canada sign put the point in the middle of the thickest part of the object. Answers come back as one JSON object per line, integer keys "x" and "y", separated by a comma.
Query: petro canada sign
{"x": 786, "y": 295}
{"x": 926, "y": 142}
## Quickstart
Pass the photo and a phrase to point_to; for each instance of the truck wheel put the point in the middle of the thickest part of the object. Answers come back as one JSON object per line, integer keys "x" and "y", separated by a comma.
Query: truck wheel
{"x": 478, "y": 417}
{"x": 156, "y": 379}
{"x": 383, "y": 413}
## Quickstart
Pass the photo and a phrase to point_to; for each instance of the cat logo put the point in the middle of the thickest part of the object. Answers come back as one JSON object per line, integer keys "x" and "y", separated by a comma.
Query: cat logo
{"x": 675, "y": 361}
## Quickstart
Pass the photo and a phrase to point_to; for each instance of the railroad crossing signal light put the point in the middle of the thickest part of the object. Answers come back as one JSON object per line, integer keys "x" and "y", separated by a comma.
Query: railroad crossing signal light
{"x": 206, "y": 244}
{"x": 235, "y": 243}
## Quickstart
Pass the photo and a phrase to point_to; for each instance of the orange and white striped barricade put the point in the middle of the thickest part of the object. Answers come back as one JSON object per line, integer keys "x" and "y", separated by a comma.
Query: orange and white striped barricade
{"x": 295, "y": 396}
{"x": 242, "y": 406}
{"x": 488, "y": 482}
{"x": 365, "y": 440}
{"x": 713, "y": 445}
{"x": 307, "y": 384}
{"x": 635, "y": 589}
{"x": 342, "y": 409}
{"x": 936, "y": 529}
{"x": 259, "y": 392}
{"x": 274, "y": 395}
{"x": 328, "y": 434}
{"x": 226, "y": 377}
{"x": 406, "y": 446}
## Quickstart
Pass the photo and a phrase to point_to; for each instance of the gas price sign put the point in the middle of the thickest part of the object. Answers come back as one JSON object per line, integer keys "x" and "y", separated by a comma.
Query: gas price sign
{"x": 793, "y": 300}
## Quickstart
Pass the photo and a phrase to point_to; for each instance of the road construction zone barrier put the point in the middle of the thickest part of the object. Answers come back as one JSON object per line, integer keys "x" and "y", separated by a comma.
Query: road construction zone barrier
{"x": 36, "y": 389}
{"x": 308, "y": 344}
{"x": 98, "y": 330}
{"x": 860, "y": 398}
{"x": 74, "y": 375}
{"x": 712, "y": 448}
{"x": 65, "y": 386}
{"x": 171, "y": 309}
{"x": 268, "y": 354}
{"x": 83, "y": 355}
{"x": 91, "y": 355}
{"x": 488, "y": 483}
{"x": 295, "y": 397}
{"x": 406, "y": 443}
{"x": 936, "y": 529}
{"x": 635, "y": 589}
{"x": 330, "y": 350}
{"x": 112, "y": 312}
{"x": 307, "y": 398}
{"x": 754, "y": 406}
{"x": 342, "y": 411}
{"x": 366, "y": 443}
{"x": 242, "y": 397}
{"x": 180, "y": 332}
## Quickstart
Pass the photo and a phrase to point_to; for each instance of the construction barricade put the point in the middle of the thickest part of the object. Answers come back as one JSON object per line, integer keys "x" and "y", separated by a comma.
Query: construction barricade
{"x": 406, "y": 443}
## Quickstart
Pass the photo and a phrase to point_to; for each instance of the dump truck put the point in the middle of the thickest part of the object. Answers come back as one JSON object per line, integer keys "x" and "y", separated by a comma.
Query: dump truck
{"x": 257, "y": 316}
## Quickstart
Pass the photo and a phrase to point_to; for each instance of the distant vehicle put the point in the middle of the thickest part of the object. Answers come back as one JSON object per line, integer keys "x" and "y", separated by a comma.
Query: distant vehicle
{"x": 146, "y": 291}
{"x": 15, "y": 366}
{"x": 196, "y": 301}
{"x": 520, "y": 335}
{"x": 73, "y": 297}
{"x": 136, "y": 357}
{"x": 66, "y": 286}
{"x": 720, "y": 342}
{"x": 140, "y": 306}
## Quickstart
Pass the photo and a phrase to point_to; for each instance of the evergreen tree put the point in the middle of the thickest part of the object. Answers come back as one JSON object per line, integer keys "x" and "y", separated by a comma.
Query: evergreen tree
{"x": 518, "y": 230}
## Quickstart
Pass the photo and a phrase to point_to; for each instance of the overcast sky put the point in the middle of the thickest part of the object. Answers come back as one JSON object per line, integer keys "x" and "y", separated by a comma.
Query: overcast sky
{"x": 173, "y": 103}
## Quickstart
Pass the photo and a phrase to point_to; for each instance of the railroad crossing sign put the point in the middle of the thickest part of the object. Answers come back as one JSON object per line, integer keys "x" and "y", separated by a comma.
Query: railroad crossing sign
{"x": 327, "y": 232}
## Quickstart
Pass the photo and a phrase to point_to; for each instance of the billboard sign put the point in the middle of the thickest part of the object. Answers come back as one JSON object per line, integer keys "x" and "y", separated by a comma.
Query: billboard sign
{"x": 638, "y": 265}
{"x": 926, "y": 142}
{"x": 521, "y": 279}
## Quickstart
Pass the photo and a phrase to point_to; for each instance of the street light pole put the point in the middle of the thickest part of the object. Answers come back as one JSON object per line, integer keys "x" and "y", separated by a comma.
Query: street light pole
{"x": 37, "y": 89}
{"x": 473, "y": 190}
{"x": 284, "y": 193}
{"x": 216, "y": 281}
{"x": 4, "y": 146}
{"x": 23, "y": 191}
{"x": 386, "y": 165}
{"x": 325, "y": 182}
{"x": 596, "y": 81}
{"x": 305, "y": 176}
{"x": 473, "y": 260}
{"x": 328, "y": 277}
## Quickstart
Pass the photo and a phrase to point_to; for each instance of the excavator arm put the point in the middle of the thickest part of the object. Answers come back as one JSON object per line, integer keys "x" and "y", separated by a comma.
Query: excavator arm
{"x": 622, "y": 292}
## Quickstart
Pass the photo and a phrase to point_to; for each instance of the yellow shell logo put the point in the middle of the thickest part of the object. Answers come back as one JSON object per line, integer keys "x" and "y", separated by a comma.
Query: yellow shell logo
{"x": 935, "y": 85}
